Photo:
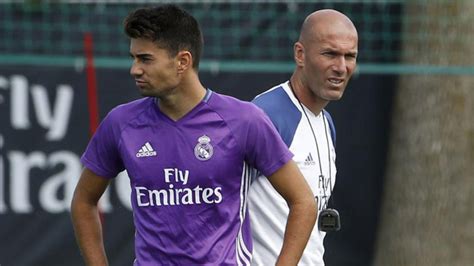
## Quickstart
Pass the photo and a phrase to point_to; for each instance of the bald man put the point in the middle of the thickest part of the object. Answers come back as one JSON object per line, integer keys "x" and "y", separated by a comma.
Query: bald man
{"x": 325, "y": 56}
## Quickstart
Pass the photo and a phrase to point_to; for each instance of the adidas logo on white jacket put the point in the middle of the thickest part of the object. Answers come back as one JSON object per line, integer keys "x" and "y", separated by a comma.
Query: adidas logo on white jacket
{"x": 309, "y": 160}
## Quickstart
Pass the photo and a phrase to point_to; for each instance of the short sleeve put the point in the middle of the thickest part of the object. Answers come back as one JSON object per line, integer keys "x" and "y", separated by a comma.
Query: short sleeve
{"x": 265, "y": 149}
{"x": 102, "y": 154}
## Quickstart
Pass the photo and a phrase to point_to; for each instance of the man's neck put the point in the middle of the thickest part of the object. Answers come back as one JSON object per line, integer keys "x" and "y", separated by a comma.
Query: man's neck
{"x": 183, "y": 99}
{"x": 305, "y": 96}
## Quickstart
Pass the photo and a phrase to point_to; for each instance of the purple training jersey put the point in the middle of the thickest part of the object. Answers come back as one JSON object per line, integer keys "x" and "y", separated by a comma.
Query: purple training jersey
{"x": 190, "y": 177}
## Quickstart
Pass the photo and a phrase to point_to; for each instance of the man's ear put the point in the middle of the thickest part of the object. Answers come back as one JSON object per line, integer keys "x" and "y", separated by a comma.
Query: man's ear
{"x": 185, "y": 61}
{"x": 298, "y": 50}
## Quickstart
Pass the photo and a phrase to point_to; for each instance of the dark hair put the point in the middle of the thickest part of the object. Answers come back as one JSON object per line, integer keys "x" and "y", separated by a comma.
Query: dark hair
{"x": 169, "y": 26}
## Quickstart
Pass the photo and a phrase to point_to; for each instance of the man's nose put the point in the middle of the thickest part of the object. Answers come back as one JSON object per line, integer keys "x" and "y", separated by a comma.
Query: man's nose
{"x": 136, "y": 70}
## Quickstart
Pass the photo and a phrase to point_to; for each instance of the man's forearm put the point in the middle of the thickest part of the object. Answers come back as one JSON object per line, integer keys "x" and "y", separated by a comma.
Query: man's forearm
{"x": 88, "y": 230}
{"x": 300, "y": 223}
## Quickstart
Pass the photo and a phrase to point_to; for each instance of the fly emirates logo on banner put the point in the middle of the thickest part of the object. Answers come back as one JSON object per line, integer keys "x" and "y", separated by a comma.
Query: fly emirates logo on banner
{"x": 38, "y": 167}
{"x": 177, "y": 192}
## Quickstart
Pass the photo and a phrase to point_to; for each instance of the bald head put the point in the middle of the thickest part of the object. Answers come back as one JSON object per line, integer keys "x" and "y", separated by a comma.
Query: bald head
{"x": 325, "y": 57}
{"x": 323, "y": 22}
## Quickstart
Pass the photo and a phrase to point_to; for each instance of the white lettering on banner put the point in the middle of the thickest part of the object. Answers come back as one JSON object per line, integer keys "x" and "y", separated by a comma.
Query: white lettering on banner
{"x": 19, "y": 169}
{"x": 124, "y": 191}
{"x": 66, "y": 179}
{"x": 54, "y": 119}
{"x": 21, "y": 165}
{"x": 19, "y": 102}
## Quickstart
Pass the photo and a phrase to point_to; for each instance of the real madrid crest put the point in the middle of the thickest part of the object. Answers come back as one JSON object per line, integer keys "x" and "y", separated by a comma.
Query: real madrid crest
{"x": 203, "y": 150}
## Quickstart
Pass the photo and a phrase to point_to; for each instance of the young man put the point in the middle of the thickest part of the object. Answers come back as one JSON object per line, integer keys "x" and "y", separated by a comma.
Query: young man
{"x": 325, "y": 57}
{"x": 189, "y": 153}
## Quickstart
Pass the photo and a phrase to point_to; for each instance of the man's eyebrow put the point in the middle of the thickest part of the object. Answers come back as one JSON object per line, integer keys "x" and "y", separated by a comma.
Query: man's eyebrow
{"x": 140, "y": 55}
{"x": 353, "y": 53}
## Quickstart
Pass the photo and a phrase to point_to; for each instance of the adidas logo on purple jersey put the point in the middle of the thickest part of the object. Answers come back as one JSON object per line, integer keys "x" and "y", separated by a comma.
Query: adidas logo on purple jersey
{"x": 146, "y": 151}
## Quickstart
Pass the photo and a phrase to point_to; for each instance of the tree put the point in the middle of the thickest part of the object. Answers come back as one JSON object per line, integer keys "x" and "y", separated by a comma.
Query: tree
{"x": 427, "y": 215}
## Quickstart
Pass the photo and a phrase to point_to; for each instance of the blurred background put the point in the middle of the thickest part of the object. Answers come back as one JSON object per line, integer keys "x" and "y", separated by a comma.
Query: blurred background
{"x": 405, "y": 144}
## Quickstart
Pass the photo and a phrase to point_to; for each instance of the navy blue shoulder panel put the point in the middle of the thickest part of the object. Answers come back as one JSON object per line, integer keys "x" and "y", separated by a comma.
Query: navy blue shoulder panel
{"x": 331, "y": 126}
{"x": 282, "y": 112}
